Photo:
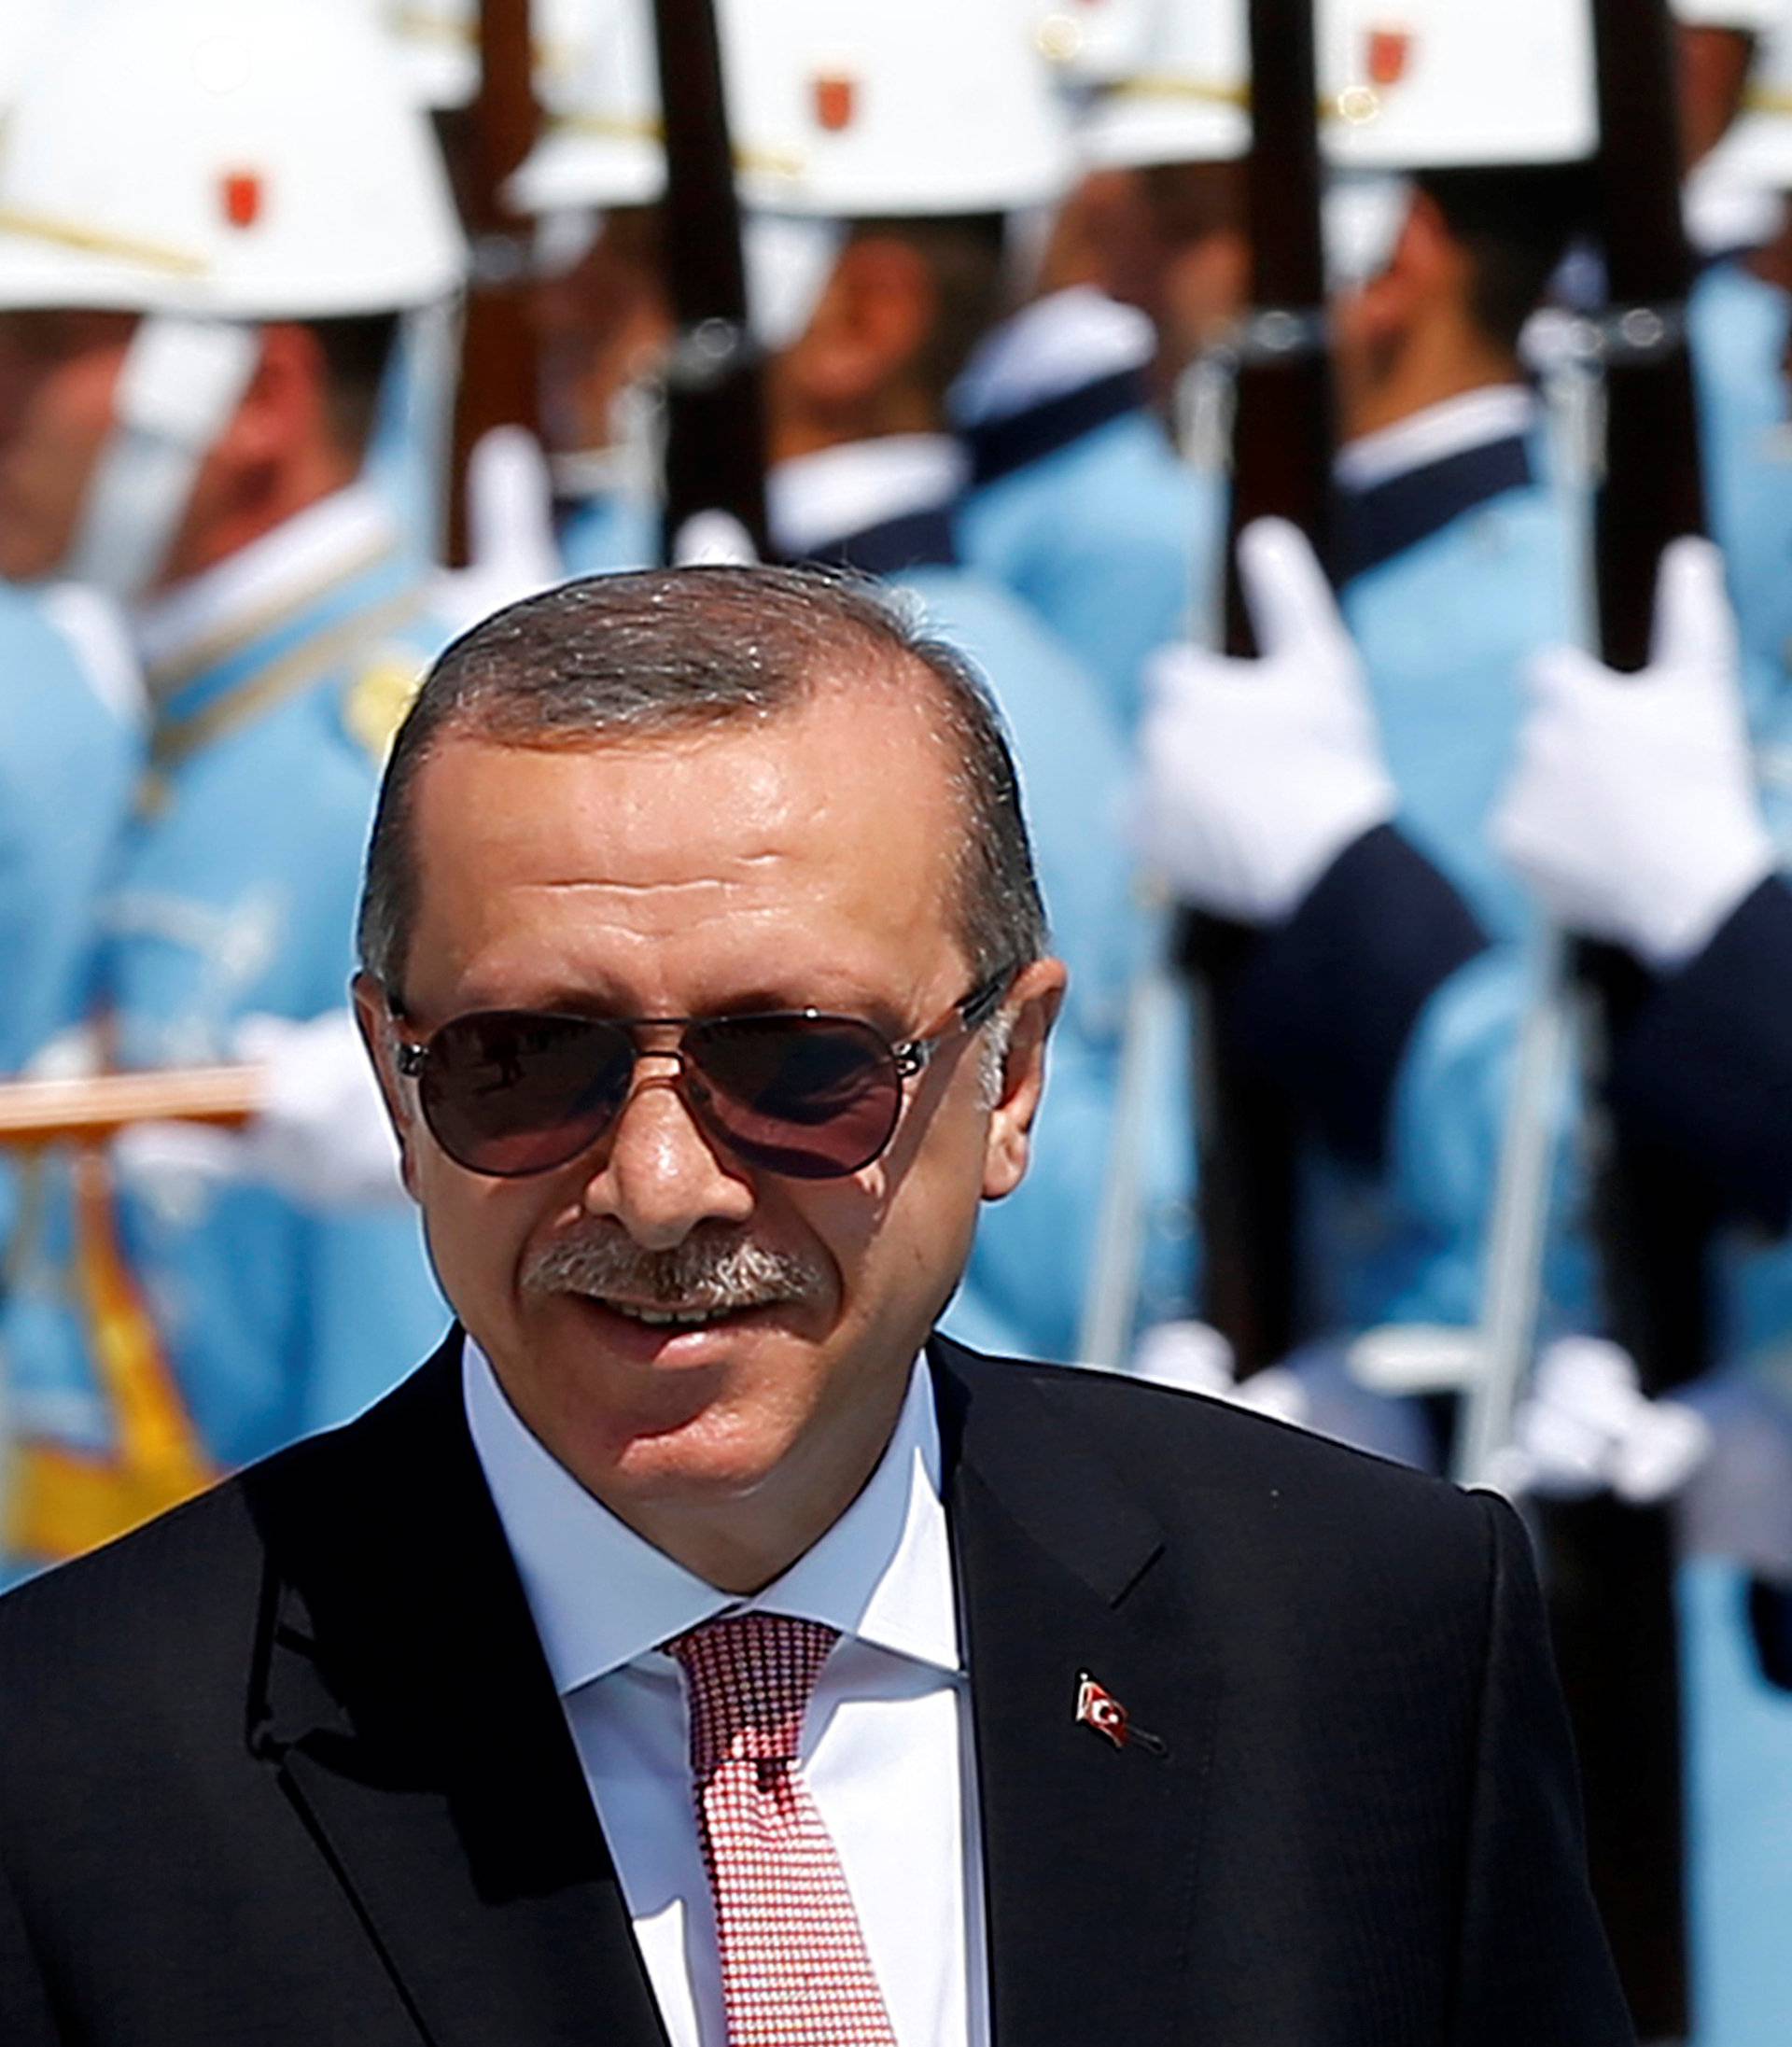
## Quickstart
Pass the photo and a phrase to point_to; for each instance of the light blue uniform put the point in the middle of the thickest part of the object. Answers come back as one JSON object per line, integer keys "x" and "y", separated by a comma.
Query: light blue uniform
{"x": 603, "y": 535}
{"x": 1448, "y": 1110}
{"x": 1738, "y": 327}
{"x": 1084, "y": 511}
{"x": 1447, "y": 1119}
{"x": 242, "y": 1319}
{"x": 1445, "y": 626}
{"x": 1503, "y": 579}
{"x": 1465, "y": 572}
{"x": 68, "y": 765}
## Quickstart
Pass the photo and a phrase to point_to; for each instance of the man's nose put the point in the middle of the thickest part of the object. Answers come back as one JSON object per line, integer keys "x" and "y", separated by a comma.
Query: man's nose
{"x": 660, "y": 1175}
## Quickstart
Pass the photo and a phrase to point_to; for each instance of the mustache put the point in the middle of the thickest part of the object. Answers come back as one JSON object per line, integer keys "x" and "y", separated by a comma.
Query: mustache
{"x": 717, "y": 1272}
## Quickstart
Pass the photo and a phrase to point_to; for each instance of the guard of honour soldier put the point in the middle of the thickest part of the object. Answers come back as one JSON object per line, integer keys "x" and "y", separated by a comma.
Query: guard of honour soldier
{"x": 994, "y": 257}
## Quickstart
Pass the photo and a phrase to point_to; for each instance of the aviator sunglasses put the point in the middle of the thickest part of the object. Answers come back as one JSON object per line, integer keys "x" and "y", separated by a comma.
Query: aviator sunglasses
{"x": 509, "y": 1092}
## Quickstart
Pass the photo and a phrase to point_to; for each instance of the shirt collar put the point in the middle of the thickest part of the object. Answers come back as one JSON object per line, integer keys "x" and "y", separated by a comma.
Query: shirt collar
{"x": 277, "y": 574}
{"x": 1496, "y": 412}
{"x": 601, "y": 1596}
{"x": 1055, "y": 346}
{"x": 812, "y": 499}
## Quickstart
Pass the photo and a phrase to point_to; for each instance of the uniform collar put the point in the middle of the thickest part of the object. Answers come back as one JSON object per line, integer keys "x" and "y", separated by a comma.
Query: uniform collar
{"x": 203, "y": 622}
{"x": 601, "y": 1596}
{"x": 814, "y": 501}
{"x": 1499, "y": 411}
{"x": 1400, "y": 487}
{"x": 1049, "y": 349}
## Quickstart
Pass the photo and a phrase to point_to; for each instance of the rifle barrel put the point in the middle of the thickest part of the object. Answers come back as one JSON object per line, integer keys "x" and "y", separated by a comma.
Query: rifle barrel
{"x": 715, "y": 433}
{"x": 1281, "y": 455}
{"x": 1611, "y": 1600}
{"x": 485, "y": 143}
{"x": 53, "y": 1112}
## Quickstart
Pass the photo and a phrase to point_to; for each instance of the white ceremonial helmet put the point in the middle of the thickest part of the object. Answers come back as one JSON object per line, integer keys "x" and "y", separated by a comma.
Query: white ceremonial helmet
{"x": 927, "y": 108}
{"x": 1410, "y": 85}
{"x": 1748, "y": 17}
{"x": 1180, "y": 92}
{"x": 438, "y": 44}
{"x": 1093, "y": 42}
{"x": 23, "y": 24}
{"x": 206, "y": 157}
{"x": 930, "y": 108}
{"x": 211, "y": 164}
{"x": 1432, "y": 85}
{"x": 600, "y": 144}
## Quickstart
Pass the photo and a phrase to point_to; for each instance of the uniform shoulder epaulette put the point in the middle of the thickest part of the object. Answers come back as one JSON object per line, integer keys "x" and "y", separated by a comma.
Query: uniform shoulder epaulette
{"x": 379, "y": 696}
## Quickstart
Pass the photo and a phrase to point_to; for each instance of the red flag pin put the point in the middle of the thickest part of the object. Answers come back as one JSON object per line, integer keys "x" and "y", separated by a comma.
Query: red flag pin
{"x": 1098, "y": 1707}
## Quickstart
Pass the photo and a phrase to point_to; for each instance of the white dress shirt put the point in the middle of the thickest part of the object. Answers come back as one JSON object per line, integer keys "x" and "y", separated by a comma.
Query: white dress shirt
{"x": 886, "y": 1746}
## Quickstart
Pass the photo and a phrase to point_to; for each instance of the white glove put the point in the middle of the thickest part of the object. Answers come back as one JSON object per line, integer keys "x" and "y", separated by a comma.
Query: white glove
{"x": 713, "y": 539}
{"x": 510, "y": 531}
{"x": 1257, "y": 774}
{"x": 1738, "y": 1503}
{"x": 1587, "y": 1428}
{"x": 1631, "y": 811}
{"x": 1193, "y": 1357}
{"x": 321, "y": 1137}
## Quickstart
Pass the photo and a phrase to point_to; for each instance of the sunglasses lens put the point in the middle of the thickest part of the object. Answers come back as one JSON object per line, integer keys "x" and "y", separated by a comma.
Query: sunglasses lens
{"x": 506, "y": 1092}
{"x": 812, "y": 1097}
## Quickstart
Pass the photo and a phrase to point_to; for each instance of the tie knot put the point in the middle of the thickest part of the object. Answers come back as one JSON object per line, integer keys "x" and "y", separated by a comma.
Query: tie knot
{"x": 750, "y": 1677}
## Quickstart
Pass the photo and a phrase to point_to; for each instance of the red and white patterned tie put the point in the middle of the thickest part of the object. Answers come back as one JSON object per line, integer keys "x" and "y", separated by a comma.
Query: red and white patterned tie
{"x": 795, "y": 1969}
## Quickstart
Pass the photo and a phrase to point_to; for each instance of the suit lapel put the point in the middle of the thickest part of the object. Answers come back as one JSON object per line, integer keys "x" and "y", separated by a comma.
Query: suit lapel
{"x": 405, "y": 1702}
{"x": 1089, "y": 1847}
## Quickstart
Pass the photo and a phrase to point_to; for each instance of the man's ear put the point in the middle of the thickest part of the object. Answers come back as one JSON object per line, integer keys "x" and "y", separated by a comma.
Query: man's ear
{"x": 1031, "y": 1009}
{"x": 286, "y": 407}
{"x": 373, "y": 1018}
{"x": 1427, "y": 258}
{"x": 1384, "y": 309}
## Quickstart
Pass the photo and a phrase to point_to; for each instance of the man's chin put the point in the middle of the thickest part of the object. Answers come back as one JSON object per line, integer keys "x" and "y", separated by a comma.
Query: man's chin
{"x": 695, "y": 1473}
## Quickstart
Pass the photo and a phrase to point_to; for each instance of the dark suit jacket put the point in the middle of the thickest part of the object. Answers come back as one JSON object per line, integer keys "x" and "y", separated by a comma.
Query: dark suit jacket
{"x": 285, "y": 1769}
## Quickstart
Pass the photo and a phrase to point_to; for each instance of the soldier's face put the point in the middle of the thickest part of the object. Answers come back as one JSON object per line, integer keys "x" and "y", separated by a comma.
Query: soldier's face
{"x": 603, "y": 326}
{"x": 59, "y": 372}
{"x": 806, "y": 862}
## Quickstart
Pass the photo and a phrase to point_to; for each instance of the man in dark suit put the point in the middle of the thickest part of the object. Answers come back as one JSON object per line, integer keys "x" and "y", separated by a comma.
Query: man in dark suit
{"x": 706, "y": 981}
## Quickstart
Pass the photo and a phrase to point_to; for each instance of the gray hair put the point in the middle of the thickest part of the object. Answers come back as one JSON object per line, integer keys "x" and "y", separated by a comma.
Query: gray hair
{"x": 669, "y": 649}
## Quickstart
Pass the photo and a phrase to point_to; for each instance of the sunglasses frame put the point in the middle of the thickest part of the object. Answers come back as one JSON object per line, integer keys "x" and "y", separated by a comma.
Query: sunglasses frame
{"x": 908, "y": 1059}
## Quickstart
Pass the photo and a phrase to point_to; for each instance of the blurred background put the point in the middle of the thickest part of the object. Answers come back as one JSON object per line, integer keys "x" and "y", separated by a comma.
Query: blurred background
{"x": 1353, "y": 438}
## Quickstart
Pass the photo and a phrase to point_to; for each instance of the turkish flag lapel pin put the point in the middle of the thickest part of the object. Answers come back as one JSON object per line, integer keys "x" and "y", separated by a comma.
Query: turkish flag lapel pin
{"x": 1098, "y": 1707}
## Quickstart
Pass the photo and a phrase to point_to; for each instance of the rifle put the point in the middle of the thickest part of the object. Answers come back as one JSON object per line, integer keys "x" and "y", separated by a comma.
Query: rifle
{"x": 715, "y": 434}
{"x": 483, "y": 144}
{"x": 1612, "y": 1566}
{"x": 33, "y": 1112}
{"x": 1281, "y": 451}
